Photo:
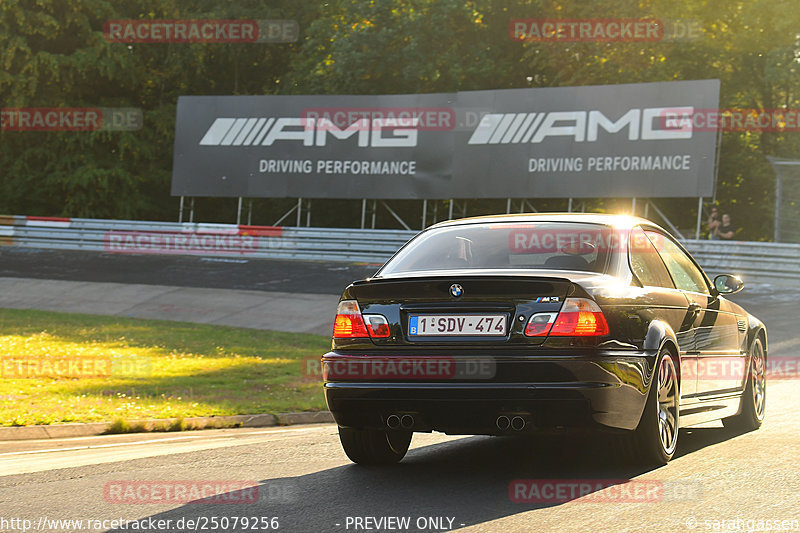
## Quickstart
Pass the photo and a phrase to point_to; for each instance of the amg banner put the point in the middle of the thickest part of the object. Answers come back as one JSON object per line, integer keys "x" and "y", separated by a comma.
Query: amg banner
{"x": 604, "y": 141}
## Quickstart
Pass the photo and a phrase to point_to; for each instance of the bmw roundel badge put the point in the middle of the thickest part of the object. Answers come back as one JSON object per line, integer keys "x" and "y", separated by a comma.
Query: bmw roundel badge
{"x": 456, "y": 290}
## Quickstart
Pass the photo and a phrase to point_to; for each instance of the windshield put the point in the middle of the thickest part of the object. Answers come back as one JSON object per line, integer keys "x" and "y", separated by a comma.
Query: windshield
{"x": 542, "y": 245}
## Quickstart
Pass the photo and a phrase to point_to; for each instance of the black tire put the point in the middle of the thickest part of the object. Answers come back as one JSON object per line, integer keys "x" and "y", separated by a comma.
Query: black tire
{"x": 754, "y": 398}
{"x": 655, "y": 440}
{"x": 374, "y": 447}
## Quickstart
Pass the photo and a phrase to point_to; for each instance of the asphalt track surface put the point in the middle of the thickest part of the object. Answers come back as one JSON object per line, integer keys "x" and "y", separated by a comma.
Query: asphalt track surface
{"x": 308, "y": 277}
{"x": 281, "y": 295}
{"x": 719, "y": 480}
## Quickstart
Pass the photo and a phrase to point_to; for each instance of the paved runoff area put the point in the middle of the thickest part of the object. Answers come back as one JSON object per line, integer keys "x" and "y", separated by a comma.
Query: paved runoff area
{"x": 298, "y": 478}
{"x": 281, "y": 311}
{"x": 294, "y": 296}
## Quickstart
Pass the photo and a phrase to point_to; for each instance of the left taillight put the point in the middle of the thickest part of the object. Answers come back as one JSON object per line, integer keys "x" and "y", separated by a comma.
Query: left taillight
{"x": 351, "y": 324}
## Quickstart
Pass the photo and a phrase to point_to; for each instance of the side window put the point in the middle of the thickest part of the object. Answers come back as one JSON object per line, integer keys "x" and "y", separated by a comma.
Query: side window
{"x": 683, "y": 271}
{"x": 646, "y": 263}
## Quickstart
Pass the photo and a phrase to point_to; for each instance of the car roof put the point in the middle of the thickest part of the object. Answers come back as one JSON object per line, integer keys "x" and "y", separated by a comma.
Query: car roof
{"x": 620, "y": 221}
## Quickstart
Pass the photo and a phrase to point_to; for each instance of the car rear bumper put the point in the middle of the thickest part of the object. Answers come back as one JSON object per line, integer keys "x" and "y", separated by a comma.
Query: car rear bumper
{"x": 604, "y": 391}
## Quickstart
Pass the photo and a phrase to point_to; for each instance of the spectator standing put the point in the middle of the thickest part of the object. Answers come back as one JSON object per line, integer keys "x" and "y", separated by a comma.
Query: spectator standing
{"x": 725, "y": 230}
{"x": 713, "y": 223}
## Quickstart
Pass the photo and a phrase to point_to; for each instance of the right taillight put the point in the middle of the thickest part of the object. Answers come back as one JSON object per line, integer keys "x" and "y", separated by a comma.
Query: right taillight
{"x": 580, "y": 317}
{"x": 378, "y": 326}
{"x": 349, "y": 323}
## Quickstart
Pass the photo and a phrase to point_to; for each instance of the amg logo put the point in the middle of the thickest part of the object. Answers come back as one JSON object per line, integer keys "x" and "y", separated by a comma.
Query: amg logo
{"x": 582, "y": 126}
{"x": 376, "y": 133}
{"x": 494, "y": 128}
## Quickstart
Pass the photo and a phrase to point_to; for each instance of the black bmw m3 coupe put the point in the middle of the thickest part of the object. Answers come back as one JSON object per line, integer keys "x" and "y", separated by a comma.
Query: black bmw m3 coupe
{"x": 551, "y": 323}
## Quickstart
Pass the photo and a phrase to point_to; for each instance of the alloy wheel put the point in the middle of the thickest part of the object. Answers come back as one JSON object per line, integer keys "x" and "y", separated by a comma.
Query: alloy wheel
{"x": 759, "y": 380}
{"x": 668, "y": 404}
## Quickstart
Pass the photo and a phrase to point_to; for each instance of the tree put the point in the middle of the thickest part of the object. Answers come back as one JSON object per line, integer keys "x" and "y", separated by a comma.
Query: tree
{"x": 56, "y": 55}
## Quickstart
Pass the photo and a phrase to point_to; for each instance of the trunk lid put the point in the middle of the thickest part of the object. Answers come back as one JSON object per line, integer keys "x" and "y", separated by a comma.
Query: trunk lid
{"x": 451, "y": 309}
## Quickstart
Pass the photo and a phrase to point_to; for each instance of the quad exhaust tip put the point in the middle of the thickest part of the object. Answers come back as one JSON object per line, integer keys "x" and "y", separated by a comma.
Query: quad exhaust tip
{"x": 393, "y": 421}
{"x": 503, "y": 422}
{"x": 398, "y": 421}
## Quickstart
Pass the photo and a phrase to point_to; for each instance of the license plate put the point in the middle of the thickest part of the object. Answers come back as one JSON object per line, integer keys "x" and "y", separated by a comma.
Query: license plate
{"x": 456, "y": 325}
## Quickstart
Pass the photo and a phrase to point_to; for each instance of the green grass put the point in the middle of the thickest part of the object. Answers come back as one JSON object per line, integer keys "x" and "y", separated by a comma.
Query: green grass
{"x": 159, "y": 369}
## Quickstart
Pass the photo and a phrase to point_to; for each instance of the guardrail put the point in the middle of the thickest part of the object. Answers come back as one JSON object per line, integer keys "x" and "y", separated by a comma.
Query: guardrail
{"x": 751, "y": 260}
{"x": 754, "y": 260}
{"x": 227, "y": 240}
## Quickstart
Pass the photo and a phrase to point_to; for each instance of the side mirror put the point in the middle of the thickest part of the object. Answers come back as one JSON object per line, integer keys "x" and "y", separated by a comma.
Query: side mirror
{"x": 727, "y": 284}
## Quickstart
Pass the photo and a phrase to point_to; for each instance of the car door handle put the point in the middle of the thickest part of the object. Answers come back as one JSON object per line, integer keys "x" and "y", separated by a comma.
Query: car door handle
{"x": 695, "y": 308}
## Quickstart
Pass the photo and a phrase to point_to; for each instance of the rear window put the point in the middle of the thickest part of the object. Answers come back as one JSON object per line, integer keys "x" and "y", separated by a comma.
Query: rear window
{"x": 542, "y": 245}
